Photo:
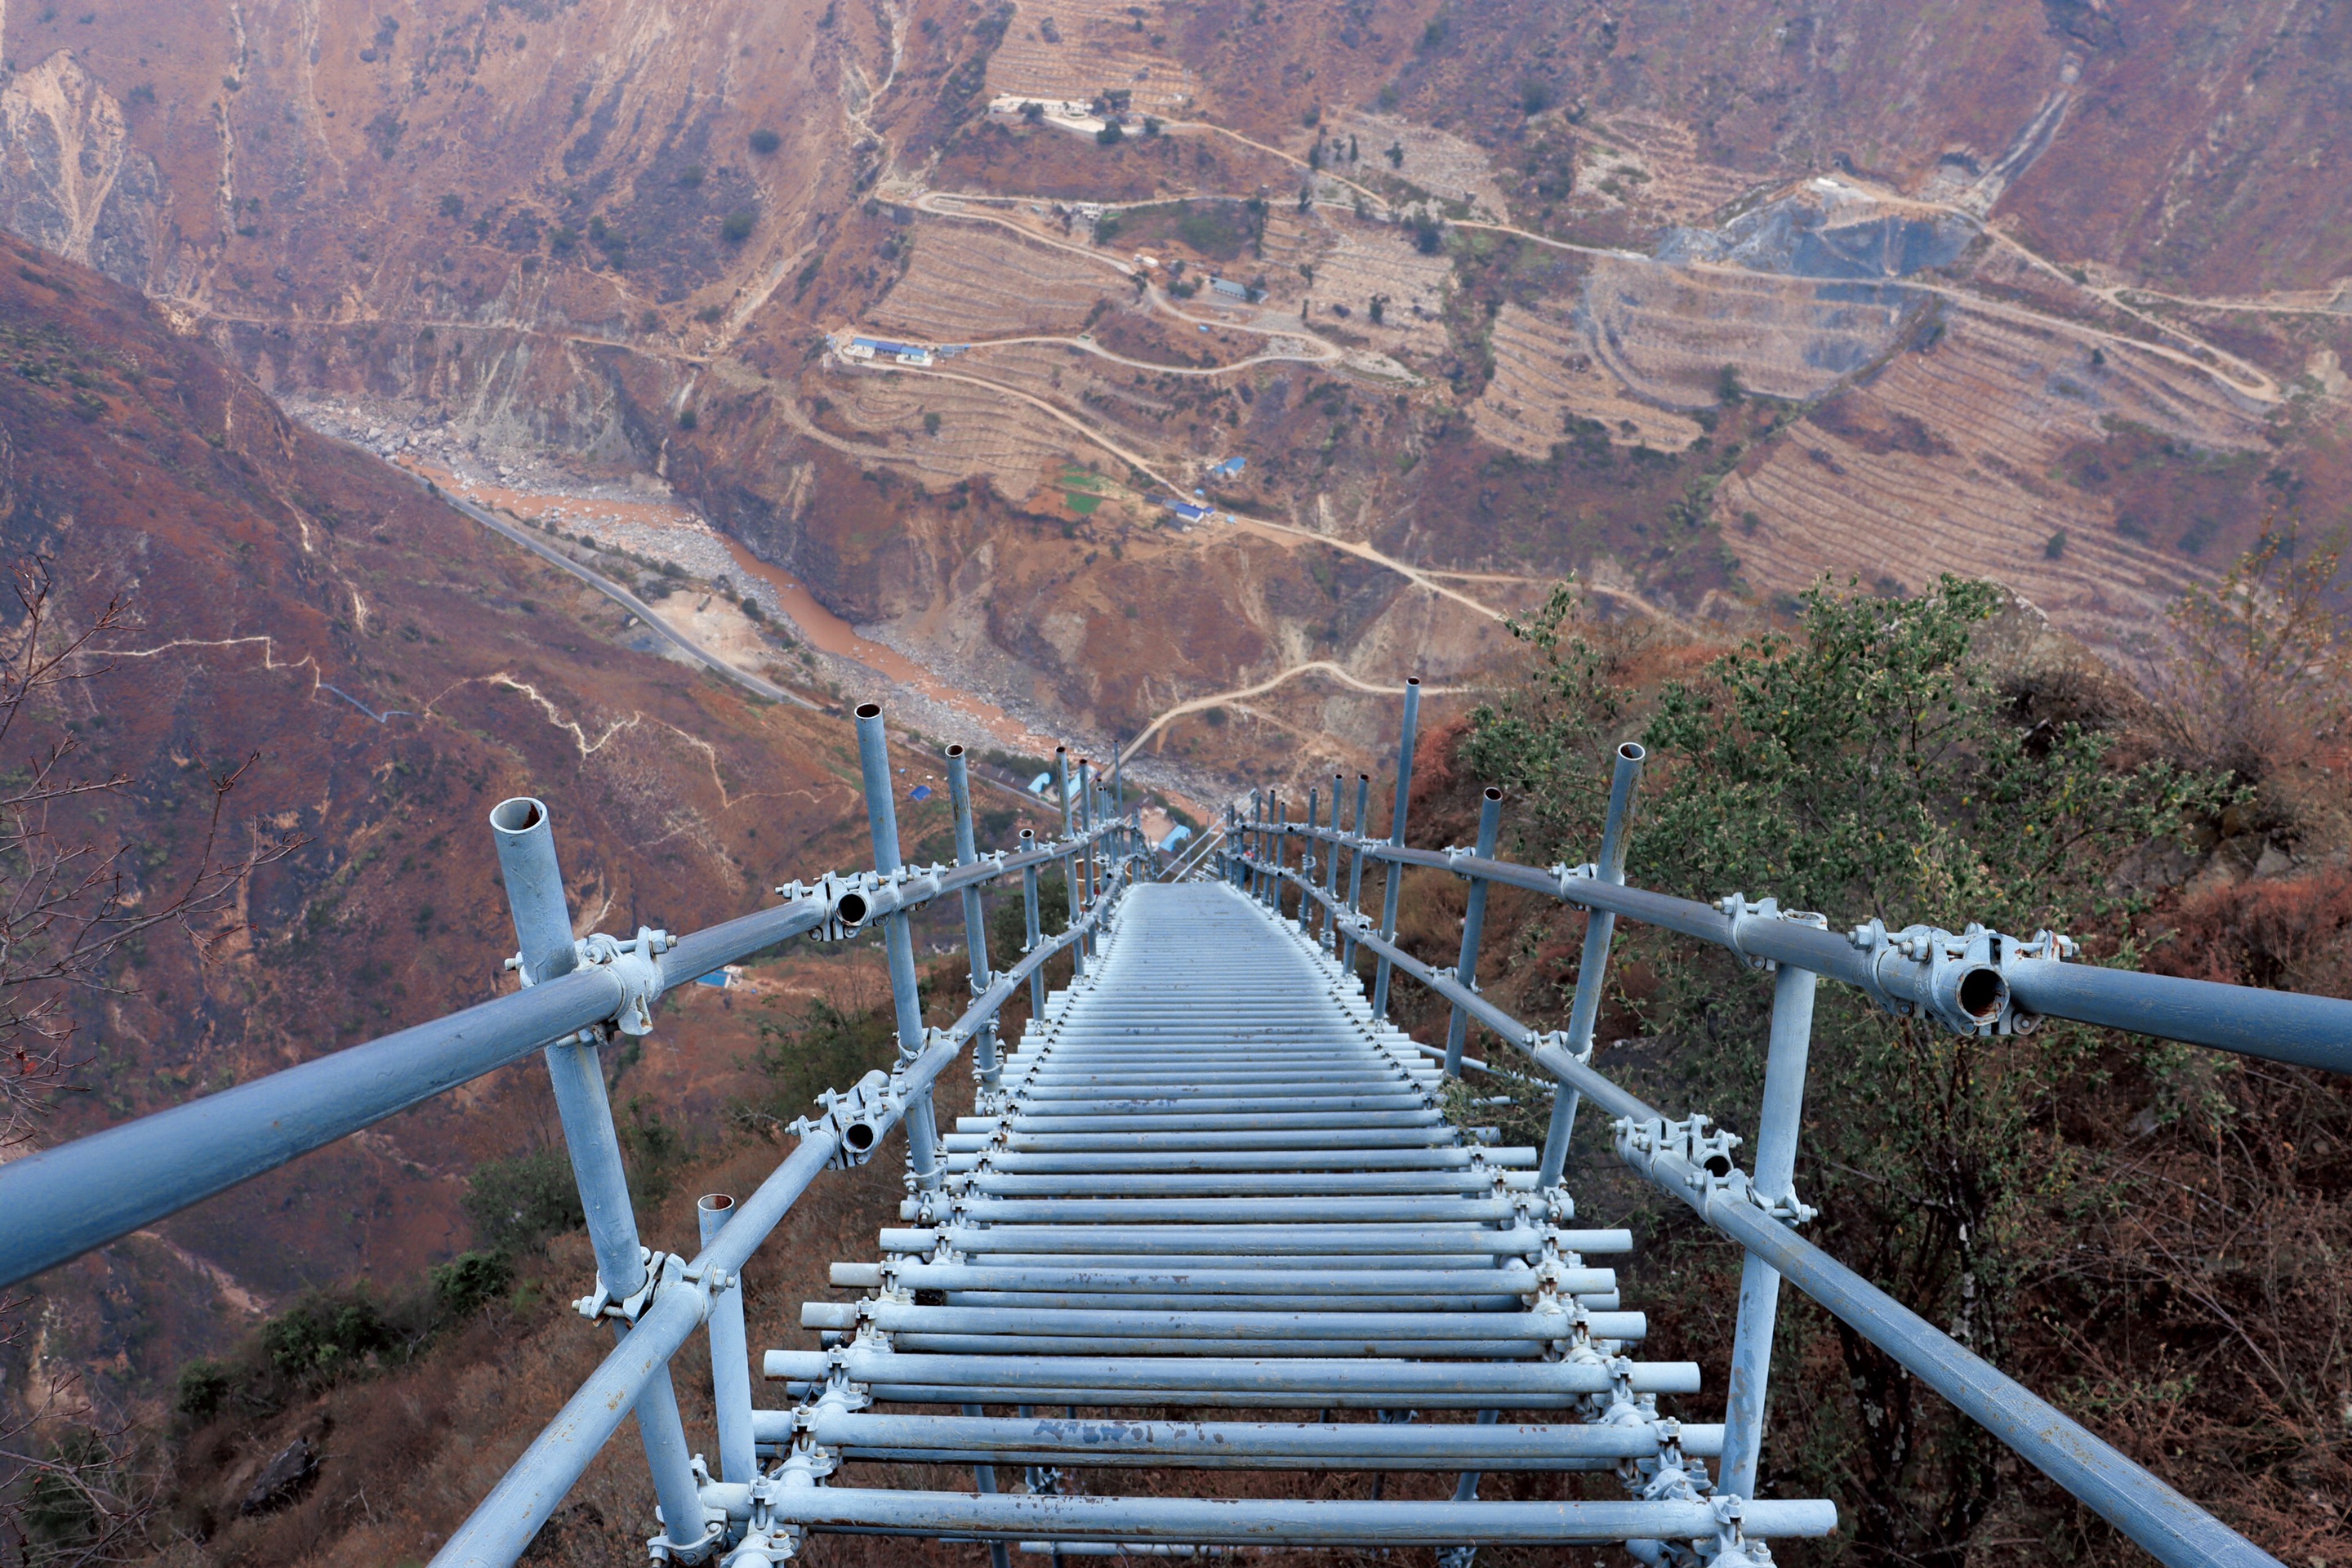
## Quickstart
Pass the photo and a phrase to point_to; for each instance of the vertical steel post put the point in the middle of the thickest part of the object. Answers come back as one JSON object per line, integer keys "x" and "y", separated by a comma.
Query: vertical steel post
{"x": 730, "y": 1356}
{"x": 1069, "y": 861}
{"x": 1393, "y": 874}
{"x": 1257, "y": 815}
{"x": 1035, "y": 936}
{"x": 543, "y": 921}
{"x": 1356, "y": 866}
{"x": 1092, "y": 890}
{"x": 1277, "y": 843}
{"x": 1473, "y": 921}
{"x": 1323, "y": 937}
{"x": 1306, "y": 865}
{"x": 975, "y": 916}
{"x": 1776, "y": 1170}
{"x": 983, "y": 1478}
{"x": 897, "y": 936}
{"x": 1592, "y": 968}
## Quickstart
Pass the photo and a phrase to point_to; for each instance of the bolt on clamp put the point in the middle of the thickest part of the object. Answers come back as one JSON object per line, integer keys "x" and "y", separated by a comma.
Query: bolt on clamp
{"x": 855, "y": 1118}
{"x": 662, "y": 1269}
{"x": 847, "y": 902}
{"x": 1743, "y": 914}
{"x": 1707, "y": 1153}
{"x": 632, "y": 961}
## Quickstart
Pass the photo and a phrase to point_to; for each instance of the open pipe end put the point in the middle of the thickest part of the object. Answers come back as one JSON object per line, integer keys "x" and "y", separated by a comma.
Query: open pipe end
{"x": 869, "y": 710}
{"x": 1982, "y": 994}
{"x": 858, "y": 1136}
{"x": 518, "y": 813}
{"x": 851, "y": 909}
{"x": 1633, "y": 752}
{"x": 715, "y": 1203}
{"x": 1493, "y": 793}
{"x": 956, "y": 751}
{"x": 1412, "y": 680}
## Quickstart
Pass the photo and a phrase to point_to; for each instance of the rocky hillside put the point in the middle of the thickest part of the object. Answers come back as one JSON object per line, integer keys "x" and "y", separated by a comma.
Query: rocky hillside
{"x": 2035, "y": 290}
{"x": 393, "y": 670}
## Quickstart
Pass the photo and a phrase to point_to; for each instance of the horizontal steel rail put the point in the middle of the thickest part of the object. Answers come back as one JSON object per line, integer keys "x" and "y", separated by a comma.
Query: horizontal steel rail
{"x": 64, "y": 1201}
{"x": 1318, "y": 1444}
{"x": 2170, "y": 1527}
{"x": 2278, "y": 1026}
{"x": 1259, "y": 1522}
{"x": 502, "y": 1525}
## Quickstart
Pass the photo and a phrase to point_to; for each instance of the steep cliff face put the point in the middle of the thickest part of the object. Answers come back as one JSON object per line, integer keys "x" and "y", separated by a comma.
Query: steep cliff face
{"x": 398, "y": 671}
{"x": 1699, "y": 304}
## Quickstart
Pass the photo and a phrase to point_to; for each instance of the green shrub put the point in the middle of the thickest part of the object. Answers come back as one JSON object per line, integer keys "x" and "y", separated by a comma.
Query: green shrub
{"x": 516, "y": 1204}
{"x": 468, "y": 1283}
{"x": 764, "y": 141}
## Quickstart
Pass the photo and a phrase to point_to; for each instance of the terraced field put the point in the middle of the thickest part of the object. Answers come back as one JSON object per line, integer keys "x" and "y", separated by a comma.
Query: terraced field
{"x": 1545, "y": 374}
{"x": 968, "y": 283}
{"x": 1942, "y": 463}
{"x": 1073, "y": 49}
{"x": 1668, "y": 332}
{"x": 1444, "y": 166}
{"x": 1656, "y": 166}
{"x": 981, "y": 435}
{"x": 1367, "y": 259}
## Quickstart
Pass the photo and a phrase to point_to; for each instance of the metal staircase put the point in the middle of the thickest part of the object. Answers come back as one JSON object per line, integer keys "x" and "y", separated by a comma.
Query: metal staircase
{"x": 1211, "y": 1216}
{"x": 1212, "y": 1180}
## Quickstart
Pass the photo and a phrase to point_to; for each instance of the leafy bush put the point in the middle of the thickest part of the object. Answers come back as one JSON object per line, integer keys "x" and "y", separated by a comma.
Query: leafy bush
{"x": 1867, "y": 764}
{"x": 468, "y": 1282}
{"x": 764, "y": 141}
{"x": 516, "y": 1204}
{"x": 738, "y": 226}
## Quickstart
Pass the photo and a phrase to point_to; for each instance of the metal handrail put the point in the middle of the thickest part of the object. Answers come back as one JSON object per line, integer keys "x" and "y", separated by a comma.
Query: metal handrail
{"x": 64, "y": 1201}
{"x": 1679, "y": 1157}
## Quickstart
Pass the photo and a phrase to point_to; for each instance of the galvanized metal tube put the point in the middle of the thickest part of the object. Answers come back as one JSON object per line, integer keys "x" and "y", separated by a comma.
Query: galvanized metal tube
{"x": 1036, "y": 933}
{"x": 1331, "y": 867}
{"x": 1282, "y": 1445}
{"x": 975, "y": 919}
{"x": 1473, "y": 921}
{"x": 1355, "y": 872}
{"x": 1401, "y": 1380}
{"x": 1276, "y": 1523}
{"x": 534, "y": 884}
{"x": 983, "y": 1481}
{"x": 1592, "y": 967}
{"x": 1307, "y": 862}
{"x": 730, "y": 1356}
{"x": 1086, "y": 892}
{"x": 1062, "y": 786}
{"x": 1775, "y": 1166}
{"x": 502, "y": 1525}
{"x": 2169, "y": 1527}
{"x": 1394, "y": 880}
{"x": 525, "y": 840}
{"x": 897, "y": 936}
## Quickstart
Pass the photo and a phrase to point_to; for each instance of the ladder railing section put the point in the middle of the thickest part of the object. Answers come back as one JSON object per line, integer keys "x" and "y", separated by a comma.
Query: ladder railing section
{"x": 1978, "y": 982}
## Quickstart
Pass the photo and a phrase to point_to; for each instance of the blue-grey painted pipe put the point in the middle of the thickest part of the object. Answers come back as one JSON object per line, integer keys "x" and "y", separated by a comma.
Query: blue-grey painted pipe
{"x": 1306, "y": 859}
{"x": 1331, "y": 864}
{"x": 1270, "y": 1522}
{"x": 1165, "y": 1241}
{"x": 1777, "y": 1126}
{"x": 1132, "y": 1375}
{"x": 2278, "y": 1026}
{"x": 1255, "y": 1444}
{"x": 730, "y": 1355}
{"x": 1593, "y": 966}
{"x": 1355, "y": 871}
{"x": 502, "y": 1525}
{"x": 2168, "y": 1525}
{"x": 535, "y": 884}
{"x": 1242, "y": 1329}
{"x": 975, "y": 917}
{"x": 525, "y": 841}
{"x": 64, "y": 1201}
{"x": 983, "y": 1481}
{"x": 897, "y": 936}
{"x": 1036, "y": 933}
{"x": 1473, "y": 921}
{"x": 1062, "y": 787}
{"x": 1394, "y": 881}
